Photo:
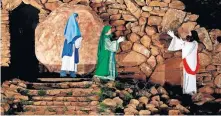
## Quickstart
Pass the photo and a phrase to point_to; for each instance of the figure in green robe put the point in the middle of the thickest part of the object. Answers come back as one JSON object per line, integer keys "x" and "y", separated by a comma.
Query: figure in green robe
{"x": 106, "y": 62}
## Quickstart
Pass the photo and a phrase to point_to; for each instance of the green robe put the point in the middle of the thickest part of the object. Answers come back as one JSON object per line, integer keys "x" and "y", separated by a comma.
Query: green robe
{"x": 106, "y": 63}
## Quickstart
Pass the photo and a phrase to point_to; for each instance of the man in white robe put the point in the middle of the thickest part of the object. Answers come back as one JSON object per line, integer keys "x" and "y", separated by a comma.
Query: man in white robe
{"x": 190, "y": 60}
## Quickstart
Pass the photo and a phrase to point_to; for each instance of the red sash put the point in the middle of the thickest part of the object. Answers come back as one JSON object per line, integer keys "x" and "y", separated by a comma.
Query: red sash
{"x": 188, "y": 69}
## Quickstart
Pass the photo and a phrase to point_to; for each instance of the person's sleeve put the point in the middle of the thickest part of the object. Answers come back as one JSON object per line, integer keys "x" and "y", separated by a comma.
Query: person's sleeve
{"x": 111, "y": 45}
{"x": 78, "y": 42}
{"x": 176, "y": 44}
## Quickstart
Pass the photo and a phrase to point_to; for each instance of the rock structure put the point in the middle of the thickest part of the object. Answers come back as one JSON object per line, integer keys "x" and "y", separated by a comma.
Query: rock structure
{"x": 5, "y": 39}
{"x": 149, "y": 101}
{"x": 62, "y": 98}
{"x": 67, "y": 96}
{"x": 144, "y": 23}
{"x": 145, "y": 53}
{"x": 49, "y": 37}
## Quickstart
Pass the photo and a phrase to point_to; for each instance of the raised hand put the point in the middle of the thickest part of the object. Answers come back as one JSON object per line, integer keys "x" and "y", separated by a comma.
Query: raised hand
{"x": 121, "y": 39}
{"x": 171, "y": 33}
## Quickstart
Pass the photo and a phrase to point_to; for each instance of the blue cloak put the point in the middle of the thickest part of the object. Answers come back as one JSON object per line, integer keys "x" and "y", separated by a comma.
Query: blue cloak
{"x": 71, "y": 34}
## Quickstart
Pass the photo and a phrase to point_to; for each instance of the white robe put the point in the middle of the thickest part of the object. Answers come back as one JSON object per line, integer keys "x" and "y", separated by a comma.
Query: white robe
{"x": 189, "y": 51}
{"x": 68, "y": 63}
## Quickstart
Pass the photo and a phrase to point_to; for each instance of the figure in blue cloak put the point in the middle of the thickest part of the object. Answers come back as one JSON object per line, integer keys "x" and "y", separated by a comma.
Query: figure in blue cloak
{"x": 72, "y": 43}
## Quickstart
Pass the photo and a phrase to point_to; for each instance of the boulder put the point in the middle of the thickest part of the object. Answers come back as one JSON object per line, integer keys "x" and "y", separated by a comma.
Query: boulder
{"x": 167, "y": 1}
{"x": 49, "y": 37}
{"x": 201, "y": 98}
{"x": 150, "y": 106}
{"x": 217, "y": 81}
{"x": 218, "y": 91}
{"x": 158, "y": 12}
{"x": 105, "y": 16}
{"x": 191, "y": 17}
{"x": 152, "y": 62}
{"x": 112, "y": 11}
{"x": 150, "y": 30}
{"x": 121, "y": 28}
{"x": 164, "y": 106}
{"x": 174, "y": 112}
{"x": 145, "y": 14}
{"x": 207, "y": 90}
{"x": 10, "y": 4}
{"x": 142, "y": 20}
{"x": 146, "y": 41}
{"x": 51, "y": 5}
{"x": 211, "y": 68}
{"x": 147, "y": 8}
{"x": 155, "y": 103}
{"x": 177, "y": 5}
{"x": 160, "y": 59}
{"x": 136, "y": 29}
{"x": 126, "y": 46}
{"x": 163, "y": 74}
{"x": 154, "y": 51}
{"x": 156, "y": 98}
{"x": 118, "y": 101}
{"x": 117, "y": 6}
{"x": 154, "y": 20}
{"x": 173, "y": 102}
{"x": 115, "y": 17}
{"x": 186, "y": 29}
{"x": 135, "y": 10}
{"x": 120, "y": 1}
{"x": 205, "y": 38}
{"x": 130, "y": 111}
{"x": 146, "y": 69}
{"x": 141, "y": 49}
{"x": 134, "y": 37}
{"x": 182, "y": 108}
{"x": 157, "y": 3}
{"x": 214, "y": 33}
{"x": 216, "y": 59}
{"x": 144, "y": 112}
{"x": 134, "y": 101}
{"x": 117, "y": 22}
{"x": 130, "y": 59}
{"x": 132, "y": 69}
{"x": 110, "y": 102}
{"x": 161, "y": 90}
{"x": 129, "y": 18}
{"x": 140, "y": 2}
{"x": 143, "y": 100}
{"x": 153, "y": 90}
{"x": 204, "y": 59}
{"x": 218, "y": 48}
{"x": 172, "y": 19}
{"x": 156, "y": 41}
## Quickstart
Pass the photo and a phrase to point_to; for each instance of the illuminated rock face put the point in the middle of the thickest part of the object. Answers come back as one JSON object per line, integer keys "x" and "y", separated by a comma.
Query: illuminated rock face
{"x": 49, "y": 37}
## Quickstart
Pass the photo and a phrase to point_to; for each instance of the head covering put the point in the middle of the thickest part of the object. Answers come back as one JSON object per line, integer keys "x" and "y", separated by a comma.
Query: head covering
{"x": 103, "y": 55}
{"x": 102, "y": 39}
{"x": 194, "y": 36}
{"x": 72, "y": 30}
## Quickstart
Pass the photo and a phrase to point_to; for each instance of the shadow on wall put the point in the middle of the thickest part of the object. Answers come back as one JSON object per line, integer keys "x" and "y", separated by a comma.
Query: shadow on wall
{"x": 24, "y": 64}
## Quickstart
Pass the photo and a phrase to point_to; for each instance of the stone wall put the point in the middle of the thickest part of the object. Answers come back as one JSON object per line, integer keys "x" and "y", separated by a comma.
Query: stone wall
{"x": 145, "y": 54}
{"x": 5, "y": 39}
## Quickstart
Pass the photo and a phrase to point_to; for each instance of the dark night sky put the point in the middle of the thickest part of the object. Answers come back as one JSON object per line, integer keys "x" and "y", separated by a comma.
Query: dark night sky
{"x": 208, "y": 10}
